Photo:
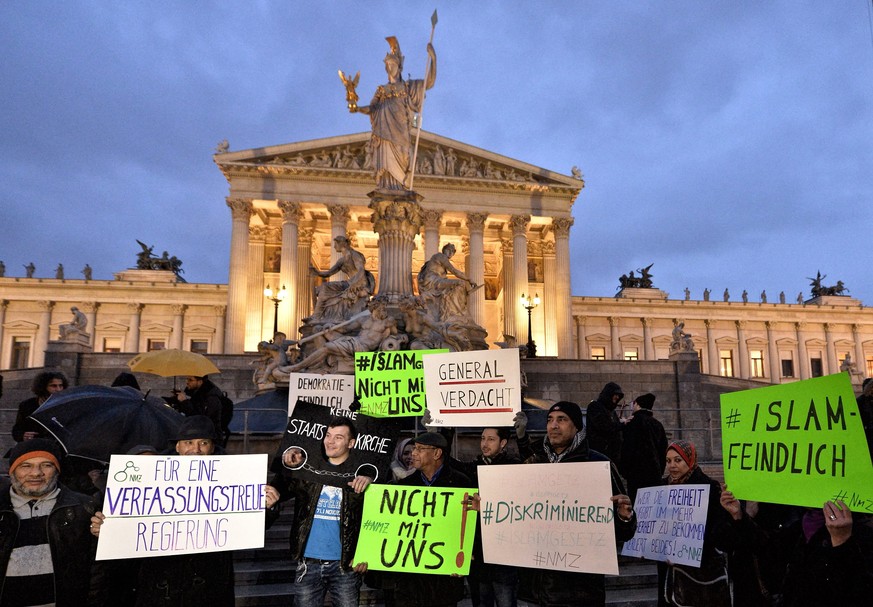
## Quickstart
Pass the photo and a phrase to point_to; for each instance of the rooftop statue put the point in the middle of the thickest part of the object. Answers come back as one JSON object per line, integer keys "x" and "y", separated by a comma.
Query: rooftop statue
{"x": 391, "y": 114}
{"x": 146, "y": 260}
{"x": 818, "y": 289}
{"x": 643, "y": 281}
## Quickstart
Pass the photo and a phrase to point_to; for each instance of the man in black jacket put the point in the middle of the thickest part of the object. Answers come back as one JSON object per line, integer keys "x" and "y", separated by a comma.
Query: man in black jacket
{"x": 603, "y": 424}
{"x": 200, "y": 397}
{"x": 644, "y": 447}
{"x": 327, "y": 520}
{"x": 46, "y": 552}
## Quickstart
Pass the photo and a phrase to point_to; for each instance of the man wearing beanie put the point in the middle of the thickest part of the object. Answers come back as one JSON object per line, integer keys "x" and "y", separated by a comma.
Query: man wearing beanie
{"x": 46, "y": 552}
{"x": 565, "y": 442}
{"x": 644, "y": 448}
{"x": 604, "y": 426}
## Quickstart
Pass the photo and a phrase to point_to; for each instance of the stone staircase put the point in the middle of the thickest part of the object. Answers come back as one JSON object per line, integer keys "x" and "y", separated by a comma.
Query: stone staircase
{"x": 264, "y": 576}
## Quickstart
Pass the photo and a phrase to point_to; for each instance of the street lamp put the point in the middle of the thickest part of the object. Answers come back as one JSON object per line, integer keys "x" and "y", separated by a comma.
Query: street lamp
{"x": 280, "y": 296}
{"x": 529, "y": 304}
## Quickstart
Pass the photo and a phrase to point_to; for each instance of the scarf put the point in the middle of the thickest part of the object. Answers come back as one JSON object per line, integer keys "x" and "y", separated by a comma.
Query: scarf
{"x": 556, "y": 457}
{"x": 687, "y": 452}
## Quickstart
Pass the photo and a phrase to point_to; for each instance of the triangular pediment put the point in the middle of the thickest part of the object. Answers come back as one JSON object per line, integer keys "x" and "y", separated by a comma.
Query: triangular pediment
{"x": 439, "y": 159}
{"x": 20, "y": 325}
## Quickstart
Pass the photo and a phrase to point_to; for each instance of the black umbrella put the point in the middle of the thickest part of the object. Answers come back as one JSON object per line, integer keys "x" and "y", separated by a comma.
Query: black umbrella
{"x": 94, "y": 422}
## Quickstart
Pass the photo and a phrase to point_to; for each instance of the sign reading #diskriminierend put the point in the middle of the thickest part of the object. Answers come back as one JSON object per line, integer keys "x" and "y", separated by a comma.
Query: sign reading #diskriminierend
{"x": 163, "y": 505}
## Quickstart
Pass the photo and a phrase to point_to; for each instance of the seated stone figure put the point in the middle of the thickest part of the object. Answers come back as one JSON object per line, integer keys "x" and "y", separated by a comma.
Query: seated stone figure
{"x": 448, "y": 294}
{"x": 340, "y": 300}
{"x": 75, "y": 327}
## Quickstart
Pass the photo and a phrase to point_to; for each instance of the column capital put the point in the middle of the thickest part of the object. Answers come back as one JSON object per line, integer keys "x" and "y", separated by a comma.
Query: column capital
{"x": 179, "y": 309}
{"x": 770, "y": 324}
{"x": 708, "y": 323}
{"x": 856, "y": 328}
{"x": 432, "y": 219}
{"x": 506, "y": 246}
{"x": 646, "y": 322}
{"x": 561, "y": 226}
{"x": 518, "y": 224}
{"x": 339, "y": 214}
{"x": 290, "y": 210}
{"x": 741, "y": 324}
{"x": 304, "y": 236}
{"x": 257, "y": 233}
{"x": 219, "y": 310}
{"x": 4, "y": 303}
{"x": 580, "y": 320}
{"x": 273, "y": 234}
{"x": 240, "y": 208}
{"x": 548, "y": 247}
{"x": 45, "y": 305}
{"x": 827, "y": 326}
{"x": 90, "y": 306}
{"x": 613, "y": 320}
{"x": 135, "y": 308}
{"x": 800, "y": 325}
{"x": 476, "y": 221}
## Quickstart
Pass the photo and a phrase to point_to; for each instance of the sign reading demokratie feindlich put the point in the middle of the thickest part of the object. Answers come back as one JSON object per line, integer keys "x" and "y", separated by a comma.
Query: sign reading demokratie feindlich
{"x": 479, "y": 388}
{"x": 334, "y": 391}
{"x": 671, "y": 521}
{"x": 549, "y": 516}
{"x": 163, "y": 505}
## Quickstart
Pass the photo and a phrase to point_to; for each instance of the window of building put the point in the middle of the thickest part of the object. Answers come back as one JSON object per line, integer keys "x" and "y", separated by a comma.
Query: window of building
{"x": 20, "y": 353}
{"x": 156, "y": 344}
{"x": 869, "y": 366}
{"x": 726, "y": 363}
{"x": 112, "y": 344}
{"x": 598, "y": 353}
{"x": 787, "y": 367}
{"x": 200, "y": 346}
{"x": 631, "y": 354}
{"x": 816, "y": 368}
{"x": 757, "y": 360}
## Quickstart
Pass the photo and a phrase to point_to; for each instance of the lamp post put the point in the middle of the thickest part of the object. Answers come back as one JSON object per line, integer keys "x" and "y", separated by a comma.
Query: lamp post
{"x": 529, "y": 304}
{"x": 279, "y": 296}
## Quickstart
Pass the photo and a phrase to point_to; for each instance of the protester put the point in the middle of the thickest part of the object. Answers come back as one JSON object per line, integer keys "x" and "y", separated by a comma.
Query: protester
{"x": 46, "y": 553}
{"x": 125, "y": 379}
{"x": 327, "y": 520}
{"x": 44, "y": 385}
{"x": 401, "y": 465}
{"x": 200, "y": 397}
{"x": 865, "y": 410}
{"x": 604, "y": 426}
{"x": 707, "y": 585}
{"x": 419, "y": 589}
{"x": 566, "y": 442}
{"x": 643, "y": 448}
{"x": 187, "y": 580}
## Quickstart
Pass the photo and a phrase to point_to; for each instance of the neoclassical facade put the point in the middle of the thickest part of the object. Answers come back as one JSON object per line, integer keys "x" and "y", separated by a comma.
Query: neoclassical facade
{"x": 510, "y": 222}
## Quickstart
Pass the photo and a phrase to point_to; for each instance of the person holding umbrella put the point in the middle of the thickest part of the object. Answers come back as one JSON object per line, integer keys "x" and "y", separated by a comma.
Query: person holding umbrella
{"x": 200, "y": 397}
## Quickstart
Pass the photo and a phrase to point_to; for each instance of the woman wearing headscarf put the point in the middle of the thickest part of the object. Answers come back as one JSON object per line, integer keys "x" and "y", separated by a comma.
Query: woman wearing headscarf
{"x": 682, "y": 585}
{"x": 401, "y": 465}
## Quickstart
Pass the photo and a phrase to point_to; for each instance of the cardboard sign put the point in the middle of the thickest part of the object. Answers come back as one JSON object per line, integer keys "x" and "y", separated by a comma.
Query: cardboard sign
{"x": 549, "y": 516}
{"x": 671, "y": 521}
{"x": 369, "y": 456}
{"x": 416, "y": 529}
{"x": 329, "y": 390}
{"x": 391, "y": 384}
{"x": 801, "y": 443}
{"x": 182, "y": 504}
{"x": 479, "y": 388}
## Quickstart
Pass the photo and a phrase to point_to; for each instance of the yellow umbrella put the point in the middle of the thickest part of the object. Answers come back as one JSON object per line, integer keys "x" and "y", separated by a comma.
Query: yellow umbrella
{"x": 169, "y": 363}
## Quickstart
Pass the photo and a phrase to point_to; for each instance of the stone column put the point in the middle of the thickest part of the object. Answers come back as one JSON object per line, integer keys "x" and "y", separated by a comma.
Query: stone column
{"x": 802, "y": 354}
{"x": 4, "y": 304}
{"x": 235, "y": 322}
{"x": 257, "y": 306}
{"x": 563, "y": 301}
{"x": 303, "y": 290}
{"x": 132, "y": 344}
{"x": 551, "y": 299}
{"x": 519, "y": 224}
{"x": 648, "y": 346}
{"x": 397, "y": 219}
{"x": 831, "y": 347}
{"x": 510, "y": 293}
{"x": 614, "y": 342}
{"x": 43, "y": 332}
{"x": 339, "y": 226}
{"x": 178, "y": 326}
{"x": 745, "y": 373}
{"x": 291, "y": 215}
{"x": 860, "y": 359}
{"x": 711, "y": 347}
{"x": 90, "y": 310}
{"x": 218, "y": 343}
{"x": 580, "y": 337}
{"x": 476, "y": 265}
{"x": 773, "y": 353}
{"x": 433, "y": 220}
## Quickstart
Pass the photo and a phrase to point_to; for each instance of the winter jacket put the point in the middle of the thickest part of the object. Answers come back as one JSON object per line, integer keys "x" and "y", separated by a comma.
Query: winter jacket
{"x": 602, "y": 424}
{"x": 643, "y": 451}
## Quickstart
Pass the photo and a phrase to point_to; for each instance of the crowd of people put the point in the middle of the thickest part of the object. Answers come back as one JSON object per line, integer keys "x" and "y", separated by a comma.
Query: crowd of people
{"x": 753, "y": 553}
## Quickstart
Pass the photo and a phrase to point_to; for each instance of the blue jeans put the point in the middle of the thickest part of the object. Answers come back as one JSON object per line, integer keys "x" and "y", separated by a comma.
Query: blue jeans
{"x": 314, "y": 578}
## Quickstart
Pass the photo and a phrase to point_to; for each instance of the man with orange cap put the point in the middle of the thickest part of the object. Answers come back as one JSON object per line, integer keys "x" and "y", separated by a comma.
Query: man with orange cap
{"x": 46, "y": 551}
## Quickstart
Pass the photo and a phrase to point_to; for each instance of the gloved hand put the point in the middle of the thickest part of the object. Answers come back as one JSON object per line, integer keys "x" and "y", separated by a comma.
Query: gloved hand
{"x": 519, "y": 422}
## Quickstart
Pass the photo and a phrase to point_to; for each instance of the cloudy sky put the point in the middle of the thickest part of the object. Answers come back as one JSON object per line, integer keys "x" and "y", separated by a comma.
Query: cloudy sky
{"x": 728, "y": 142}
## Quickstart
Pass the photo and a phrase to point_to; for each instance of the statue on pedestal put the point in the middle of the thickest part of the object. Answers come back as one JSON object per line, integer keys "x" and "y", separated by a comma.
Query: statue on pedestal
{"x": 77, "y": 326}
{"x": 339, "y": 300}
{"x": 443, "y": 295}
{"x": 682, "y": 341}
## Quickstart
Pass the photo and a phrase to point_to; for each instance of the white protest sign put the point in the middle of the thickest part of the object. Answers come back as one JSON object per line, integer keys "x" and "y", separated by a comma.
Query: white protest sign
{"x": 331, "y": 390}
{"x": 162, "y": 505}
{"x": 549, "y": 516}
{"x": 671, "y": 521}
{"x": 479, "y": 388}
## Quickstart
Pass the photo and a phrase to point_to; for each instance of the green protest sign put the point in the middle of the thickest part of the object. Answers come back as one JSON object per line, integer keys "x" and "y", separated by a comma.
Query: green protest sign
{"x": 391, "y": 384}
{"x": 416, "y": 529}
{"x": 801, "y": 443}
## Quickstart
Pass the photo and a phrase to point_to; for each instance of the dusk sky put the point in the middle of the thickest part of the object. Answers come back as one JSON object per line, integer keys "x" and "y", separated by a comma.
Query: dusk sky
{"x": 729, "y": 143}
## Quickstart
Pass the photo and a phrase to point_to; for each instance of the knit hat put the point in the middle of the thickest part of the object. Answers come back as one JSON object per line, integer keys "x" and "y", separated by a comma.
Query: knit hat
{"x": 432, "y": 439}
{"x": 35, "y": 447}
{"x": 686, "y": 451}
{"x": 196, "y": 426}
{"x": 571, "y": 410}
{"x": 645, "y": 401}
{"x": 141, "y": 449}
